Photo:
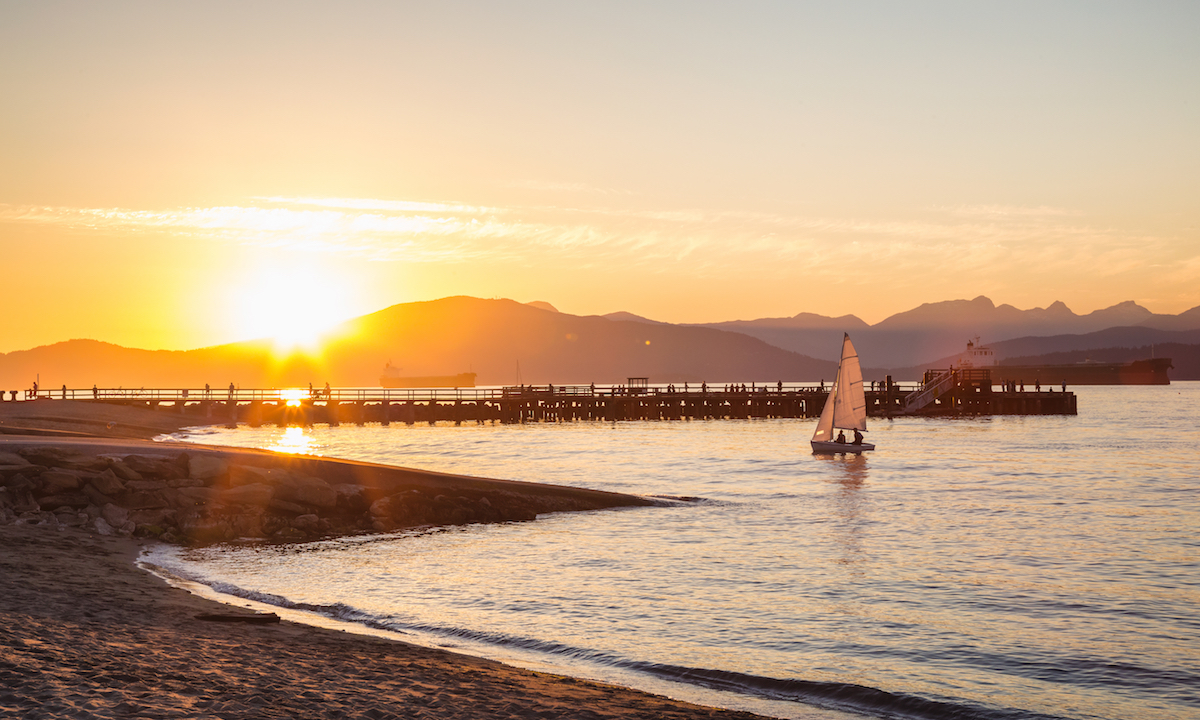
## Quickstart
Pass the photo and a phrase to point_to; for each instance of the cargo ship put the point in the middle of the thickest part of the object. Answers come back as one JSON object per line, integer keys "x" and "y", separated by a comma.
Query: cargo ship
{"x": 1138, "y": 372}
{"x": 392, "y": 378}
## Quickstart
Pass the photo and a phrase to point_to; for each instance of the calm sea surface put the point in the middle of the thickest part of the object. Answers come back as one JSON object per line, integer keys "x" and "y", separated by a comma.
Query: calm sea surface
{"x": 1008, "y": 567}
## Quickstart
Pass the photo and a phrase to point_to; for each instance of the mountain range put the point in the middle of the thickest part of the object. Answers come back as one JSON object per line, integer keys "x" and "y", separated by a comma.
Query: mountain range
{"x": 933, "y": 331}
{"x": 506, "y": 342}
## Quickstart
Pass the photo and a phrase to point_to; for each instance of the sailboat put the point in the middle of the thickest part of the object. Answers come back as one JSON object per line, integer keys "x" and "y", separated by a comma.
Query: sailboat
{"x": 845, "y": 408}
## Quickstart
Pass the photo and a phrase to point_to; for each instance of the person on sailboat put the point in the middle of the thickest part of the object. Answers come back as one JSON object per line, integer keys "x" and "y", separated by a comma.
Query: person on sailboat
{"x": 857, "y": 438}
{"x": 841, "y": 437}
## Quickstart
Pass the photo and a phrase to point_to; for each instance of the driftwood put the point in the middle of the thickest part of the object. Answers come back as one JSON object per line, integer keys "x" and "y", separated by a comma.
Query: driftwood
{"x": 260, "y": 618}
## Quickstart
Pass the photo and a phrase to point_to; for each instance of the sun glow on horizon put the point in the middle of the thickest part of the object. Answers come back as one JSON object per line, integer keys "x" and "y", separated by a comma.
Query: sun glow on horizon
{"x": 293, "y": 306}
{"x": 293, "y": 396}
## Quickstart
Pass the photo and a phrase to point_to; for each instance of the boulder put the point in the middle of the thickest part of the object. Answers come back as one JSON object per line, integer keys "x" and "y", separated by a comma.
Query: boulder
{"x": 352, "y": 497}
{"x": 185, "y": 482}
{"x": 57, "y": 481}
{"x": 114, "y": 515}
{"x": 123, "y": 471}
{"x": 247, "y": 525}
{"x": 145, "y": 485}
{"x": 287, "y": 508}
{"x": 60, "y": 458}
{"x": 152, "y": 516}
{"x": 8, "y": 458}
{"x": 206, "y": 529}
{"x": 22, "y": 501}
{"x": 307, "y": 490}
{"x": 154, "y": 467}
{"x": 249, "y": 475}
{"x": 103, "y": 527}
{"x": 144, "y": 500}
{"x": 97, "y": 497}
{"x": 307, "y": 523}
{"x": 70, "y": 518}
{"x": 206, "y": 468}
{"x": 17, "y": 482}
{"x": 108, "y": 483}
{"x": 197, "y": 495}
{"x": 74, "y": 500}
{"x": 251, "y": 494}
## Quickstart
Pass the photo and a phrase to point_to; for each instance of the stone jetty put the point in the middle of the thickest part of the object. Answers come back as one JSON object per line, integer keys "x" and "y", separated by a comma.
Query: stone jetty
{"x": 198, "y": 495}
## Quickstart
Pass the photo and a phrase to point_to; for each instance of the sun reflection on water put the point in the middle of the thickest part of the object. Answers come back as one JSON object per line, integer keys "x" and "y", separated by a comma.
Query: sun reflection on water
{"x": 295, "y": 440}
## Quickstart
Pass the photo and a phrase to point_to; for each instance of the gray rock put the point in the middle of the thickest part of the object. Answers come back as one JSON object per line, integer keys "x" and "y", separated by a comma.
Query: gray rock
{"x": 185, "y": 482}
{"x": 145, "y": 485}
{"x": 151, "y": 516}
{"x": 307, "y": 490}
{"x": 144, "y": 500}
{"x": 7, "y": 458}
{"x": 206, "y": 529}
{"x": 287, "y": 508}
{"x": 306, "y": 523}
{"x": 251, "y": 494}
{"x": 108, "y": 483}
{"x": 115, "y": 515}
{"x": 96, "y": 496}
{"x": 197, "y": 495}
{"x": 18, "y": 482}
{"x": 250, "y": 475}
{"x": 57, "y": 481}
{"x": 154, "y": 467}
{"x": 123, "y": 471}
{"x": 71, "y": 500}
{"x": 206, "y": 467}
{"x": 103, "y": 527}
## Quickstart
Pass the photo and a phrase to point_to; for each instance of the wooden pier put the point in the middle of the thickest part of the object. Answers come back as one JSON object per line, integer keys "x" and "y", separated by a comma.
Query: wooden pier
{"x": 942, "y": 393}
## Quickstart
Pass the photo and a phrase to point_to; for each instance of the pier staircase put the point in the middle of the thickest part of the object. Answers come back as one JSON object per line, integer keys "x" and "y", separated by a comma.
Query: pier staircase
{"x": 937, "y": 383}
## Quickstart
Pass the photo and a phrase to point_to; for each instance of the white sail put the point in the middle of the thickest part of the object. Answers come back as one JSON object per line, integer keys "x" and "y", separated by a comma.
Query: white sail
{"x": 846, "y": 406}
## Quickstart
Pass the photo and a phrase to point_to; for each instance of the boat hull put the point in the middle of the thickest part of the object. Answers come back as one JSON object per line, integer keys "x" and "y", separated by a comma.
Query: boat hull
{"x": 828, "y": 448}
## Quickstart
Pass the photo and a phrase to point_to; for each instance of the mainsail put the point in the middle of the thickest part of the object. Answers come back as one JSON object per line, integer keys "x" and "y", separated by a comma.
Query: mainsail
{"x": 846, "y": 406}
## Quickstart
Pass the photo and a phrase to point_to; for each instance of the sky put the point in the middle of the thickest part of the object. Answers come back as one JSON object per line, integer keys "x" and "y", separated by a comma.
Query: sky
{"x": 177, "y": 175}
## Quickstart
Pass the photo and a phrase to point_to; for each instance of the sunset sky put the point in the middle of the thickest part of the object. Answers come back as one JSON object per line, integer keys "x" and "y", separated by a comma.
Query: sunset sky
{"x": 174, "y": 175}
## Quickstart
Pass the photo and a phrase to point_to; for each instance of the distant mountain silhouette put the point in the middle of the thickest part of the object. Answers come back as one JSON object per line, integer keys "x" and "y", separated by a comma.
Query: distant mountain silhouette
{"x": 497, "y": 339}
{"x": 630, "y": 317}
{"x": 1120, "y": 344}
{"x": 925, "y": 334}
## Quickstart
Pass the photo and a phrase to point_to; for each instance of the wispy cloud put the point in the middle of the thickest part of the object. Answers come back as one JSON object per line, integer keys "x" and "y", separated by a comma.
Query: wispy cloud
{"x": 980, "y": 241}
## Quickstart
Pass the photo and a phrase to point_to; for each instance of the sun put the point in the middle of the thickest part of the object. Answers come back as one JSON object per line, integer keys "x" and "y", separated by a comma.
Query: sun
{"x": 293, "y": 306}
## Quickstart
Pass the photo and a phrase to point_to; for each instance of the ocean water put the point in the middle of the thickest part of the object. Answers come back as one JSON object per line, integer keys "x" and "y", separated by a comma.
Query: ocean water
{"x": 1004, "y": 567}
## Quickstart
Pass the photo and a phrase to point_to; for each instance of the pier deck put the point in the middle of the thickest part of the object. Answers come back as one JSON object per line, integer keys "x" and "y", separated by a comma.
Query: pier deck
{"x": 962, "y": 394}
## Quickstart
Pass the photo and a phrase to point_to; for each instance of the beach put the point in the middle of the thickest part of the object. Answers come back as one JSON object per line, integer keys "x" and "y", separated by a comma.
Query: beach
{"x": 89, "y": 634}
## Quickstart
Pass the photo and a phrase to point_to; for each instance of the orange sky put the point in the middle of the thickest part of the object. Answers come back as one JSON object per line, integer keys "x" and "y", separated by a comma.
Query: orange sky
{"x": 184, "y": 175}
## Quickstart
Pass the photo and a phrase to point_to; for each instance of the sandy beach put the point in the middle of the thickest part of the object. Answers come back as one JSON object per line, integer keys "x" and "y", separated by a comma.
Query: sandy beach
{"x": 89, "y": 634}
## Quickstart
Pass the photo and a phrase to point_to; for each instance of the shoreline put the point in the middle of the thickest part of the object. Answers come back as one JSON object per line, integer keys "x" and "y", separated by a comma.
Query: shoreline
{"x": 90, "y": 634}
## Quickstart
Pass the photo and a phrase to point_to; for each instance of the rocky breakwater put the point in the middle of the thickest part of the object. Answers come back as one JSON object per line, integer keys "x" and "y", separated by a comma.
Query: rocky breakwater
{"x": 206, "y": 495}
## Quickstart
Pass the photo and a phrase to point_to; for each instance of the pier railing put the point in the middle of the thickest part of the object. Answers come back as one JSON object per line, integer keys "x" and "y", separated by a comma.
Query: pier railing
{"x": 401, "y": 395}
